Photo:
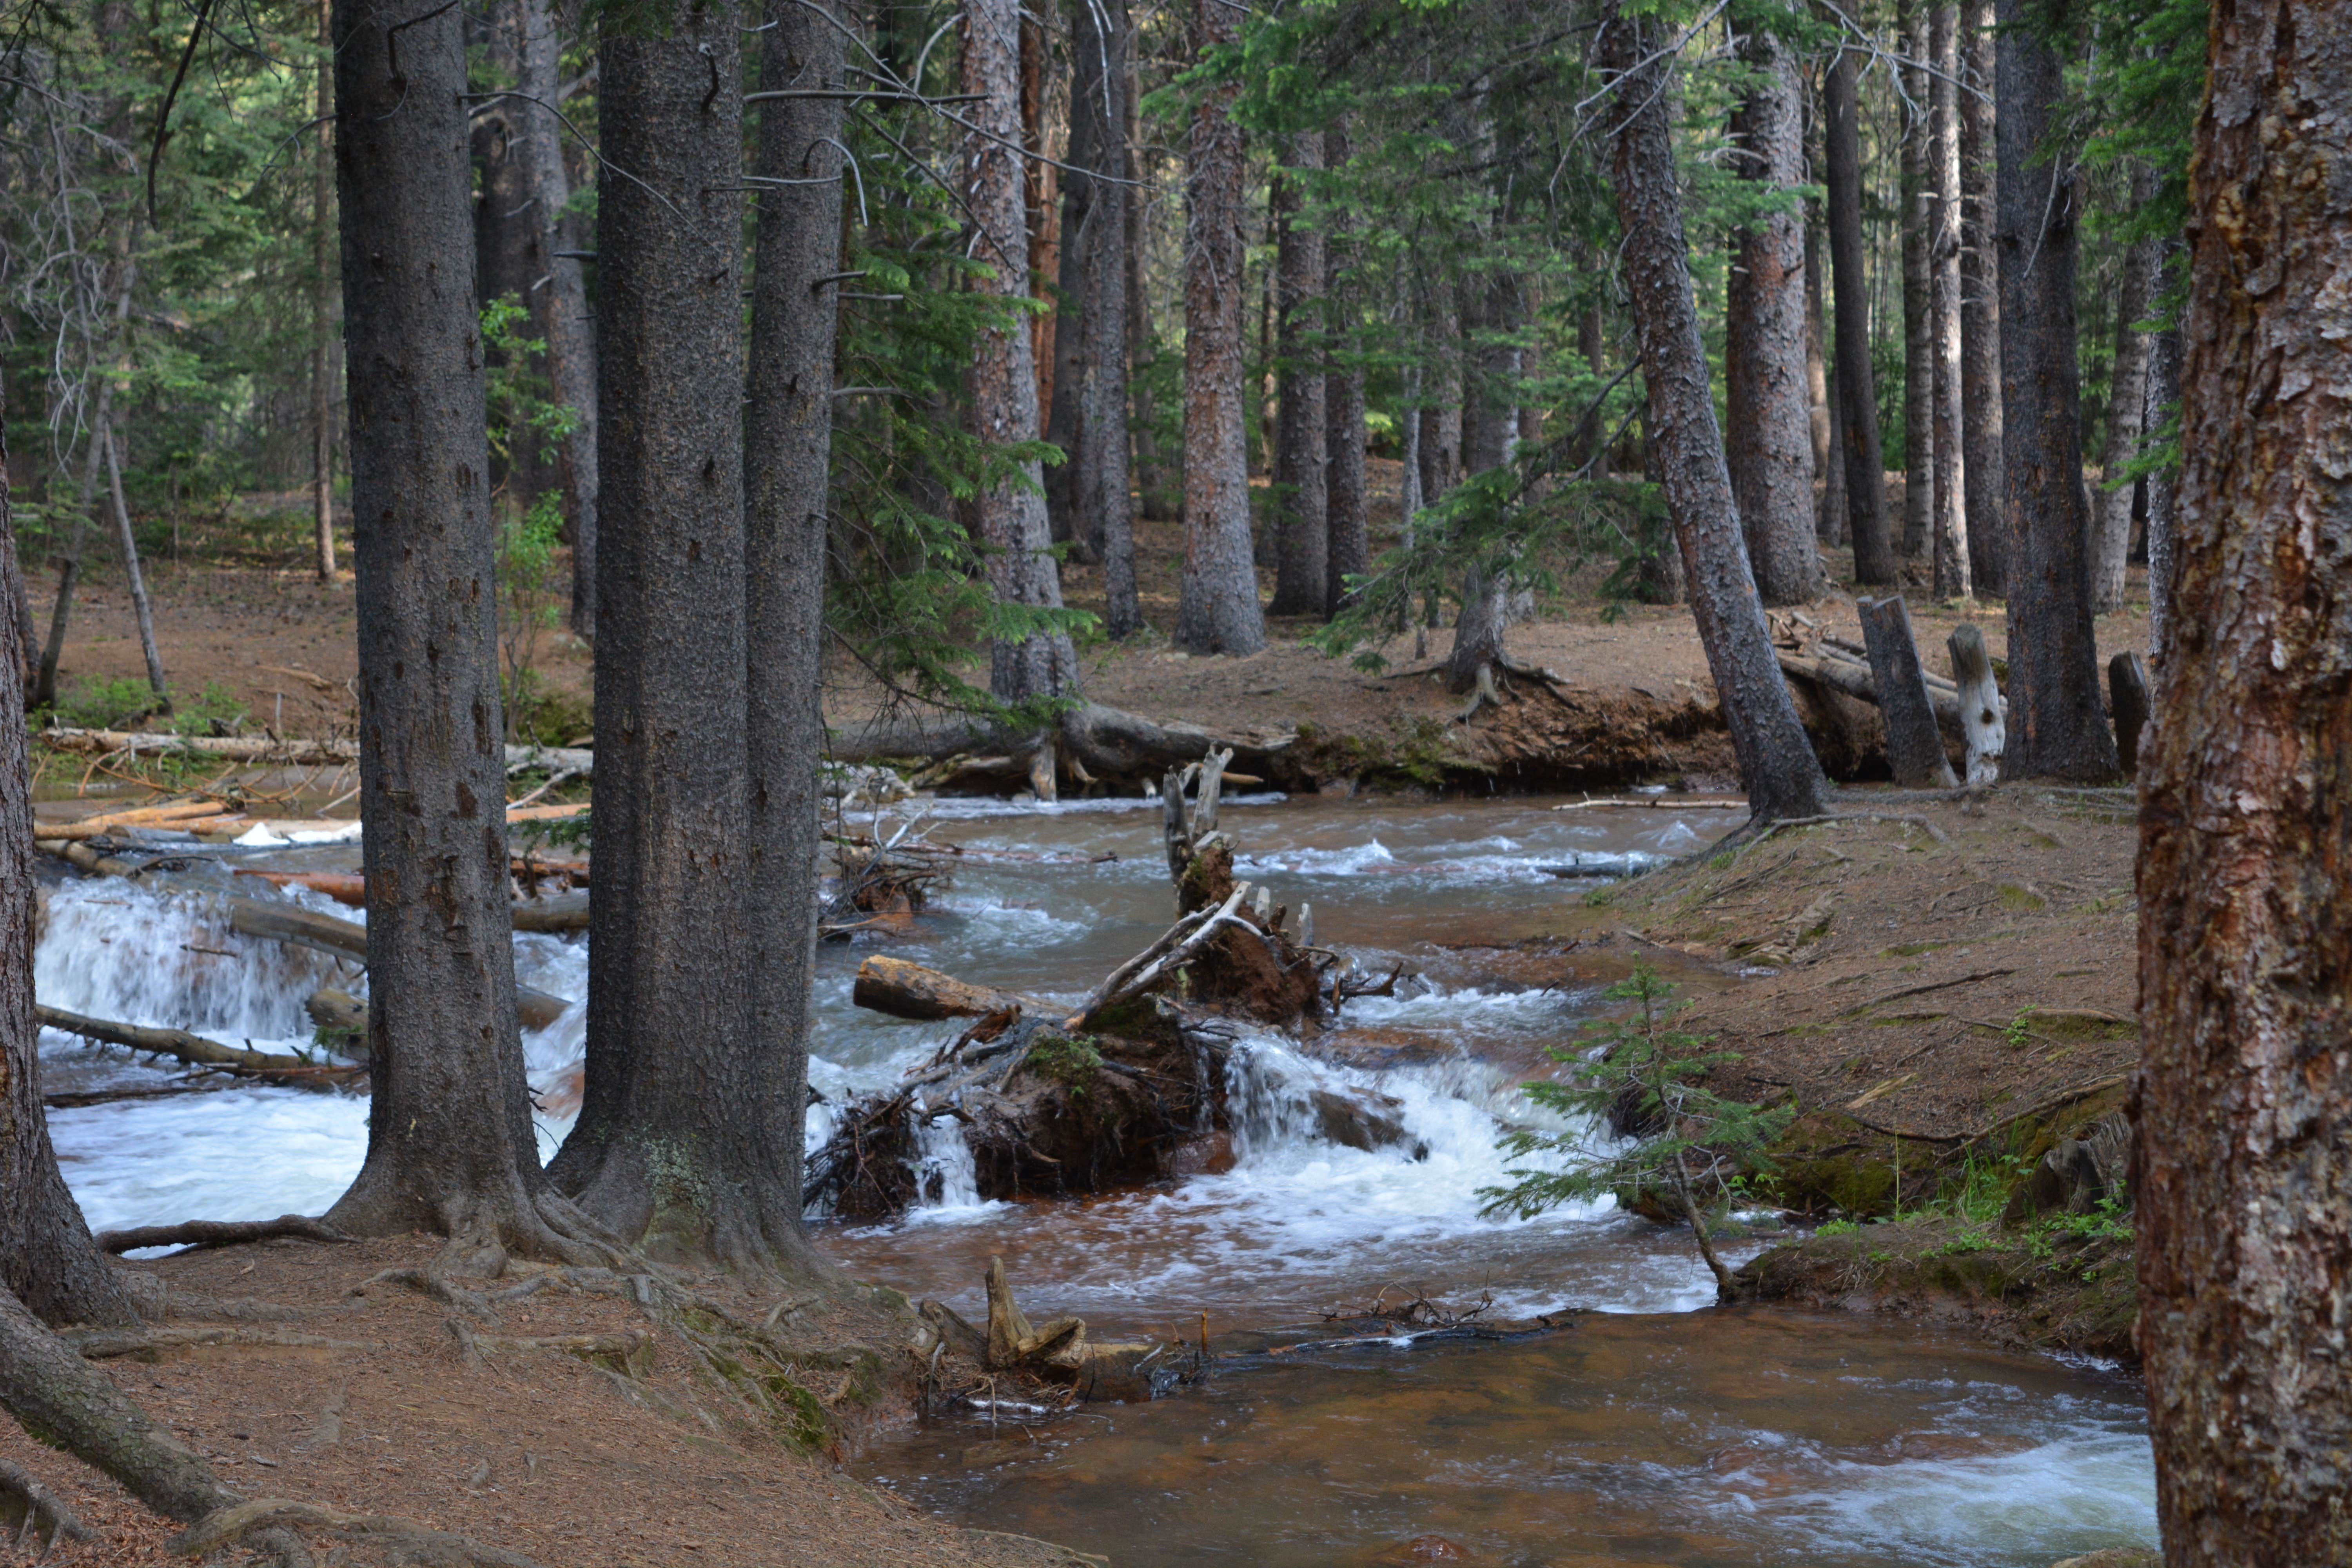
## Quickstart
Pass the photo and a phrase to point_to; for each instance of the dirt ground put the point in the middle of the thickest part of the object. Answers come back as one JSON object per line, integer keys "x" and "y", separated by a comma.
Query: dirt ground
{"x": 640, "y": 1463}
{"x": 1636, "y": 699}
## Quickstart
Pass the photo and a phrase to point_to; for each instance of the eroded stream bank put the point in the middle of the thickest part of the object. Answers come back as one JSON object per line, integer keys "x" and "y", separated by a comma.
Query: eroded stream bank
{"x": 1650, "y": 1436}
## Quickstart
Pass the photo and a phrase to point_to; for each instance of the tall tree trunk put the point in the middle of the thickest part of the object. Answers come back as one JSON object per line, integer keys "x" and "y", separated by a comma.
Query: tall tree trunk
{"x": 47, "y": 1257}
{"x": 1216, "y": 609}
{"x": 1946, "y": 240}
{"x": 2242, "y": 1163}
{"x": 1819, "y": 415}
{"x": 44, "y": 685}
{"x": 2163, "y": 402}
{"x": 1440, "y": 390}
{"x": 451, "y": 1144}
{"x": 787, "y": 470}
{"x": 1980, "y": 415}
{"x": 1347, "y": 544}
{"x": 1302, "y": 579}
{"x": 503, "y": 226}
{"x": 1078, "y": 262}
{"x": 1765, "y": 367}
{"x": 1040, "y": 215}
{"x": 1156, "y": 496}
{"x": 2057, "y": 727}
{"x": 322, "y": 309}
{"x": 1012, "y": 523}
{"x": 1094, "y": 222}
{"x": 679, "y": 1136}
{"x": 1857, "y": 395}
{"x": 142, "y": 612}
{"x": 560, "y": 307}
{"x": 1776, "y": 762}
{"x": 2126, "y": 411}
{"x": 1919, "y": 308}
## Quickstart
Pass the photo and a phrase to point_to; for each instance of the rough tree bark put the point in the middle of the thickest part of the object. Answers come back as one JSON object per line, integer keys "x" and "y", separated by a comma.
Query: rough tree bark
{"x": 1216, "y": 608}
{"x": 127, "y": 545}
{"x": 1821, "y": 412}
{"x": 559, "y": 307}
{"x": 1090, "y": 330}
{"x": 1945, "y": 242}
{"x": 1348, "y": 545}
{"x": 1918, "y": 323}
{"x": 2058, "y": 727}
{"x": 1766, "y": 387}
{"x": 1489, "y": 316}
{"x": 677, "y": 1141}
{"x": 1441, "y": 381}
{"x": 1980, "y": 420}
{"x": 1302, "y": 580}
{"x": 1013, "y": 527}
{"x": 2126, "y": 411}
{"x": 787, "y": 465}
{"x": 47, "y": 1257}
{"x": 450, "y": 1145}
{"x": 1857, "y": 395}
{"x": 2243, "y": 1160}
{"x": 2162, "y": 402}
{"x": 322, "y": 308}
{"x": 1775, "y": 762}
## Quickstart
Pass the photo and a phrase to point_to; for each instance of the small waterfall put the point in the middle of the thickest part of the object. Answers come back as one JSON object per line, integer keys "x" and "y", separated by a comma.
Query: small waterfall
{"x": 945, "y": 1176}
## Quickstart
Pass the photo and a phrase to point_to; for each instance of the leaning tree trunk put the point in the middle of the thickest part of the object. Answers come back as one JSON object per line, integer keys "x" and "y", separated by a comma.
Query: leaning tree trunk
{"x": 2242, "y": 1162}
{"x": 322, "y": 310}
{"x": 1948, "y": 523}
{"x": 47, "y": 1257}
{"x": 1980, "y": 420}
{"x": 1857, "y": 395}
{"x": 2057, "y": 727}
{"x": 1216, "y": 608}
{"x": 789, "y": 428}
{"x": 450, "y": 1143}
{"x": 69, "y": 559}
{"x": 143, "y": 609}
{"x": 1918, "y": 326}
{"x": 1013, "y": 527}
{"x": 560, "y": 306}
{"x": 1764, "y": 372}
{"x": 1302, "y": 502}
{"x": 1348, "y": 543}
{"x": 2127, "y": 399}
{"x": 1775, "y": 762}
{"x": 676, "y": 1140}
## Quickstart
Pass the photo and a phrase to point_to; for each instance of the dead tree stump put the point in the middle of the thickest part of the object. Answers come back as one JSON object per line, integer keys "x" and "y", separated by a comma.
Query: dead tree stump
{"x": 1982, "y": 724}
{"x": 1915, "y": 747}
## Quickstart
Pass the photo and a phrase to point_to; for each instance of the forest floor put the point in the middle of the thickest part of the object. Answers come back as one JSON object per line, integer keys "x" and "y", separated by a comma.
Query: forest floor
{"x": 239, "y": 612}
{"x": 621, "y": 1462}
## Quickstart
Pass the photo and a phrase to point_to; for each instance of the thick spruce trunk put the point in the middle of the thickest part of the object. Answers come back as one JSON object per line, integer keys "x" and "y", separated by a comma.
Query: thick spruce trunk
{"x": 681, "y": 1142}
{"x": 1981, "y": 419}
{"x": 46, "y": 1258}
{"x": 1768, "y": 405}
{"x": 2242, "y": 1162}
{"x": 450, "y": 1143}
{"x": 788, "y": 431}
{"x": 1857, "y": 395}
{"x": 2057, "y": 727}
{"x": 1776, "y": 762}
{"x": 1946, "y": 240}
{"x": 1217, "y": 607}
{"x": 1013, "y": 527}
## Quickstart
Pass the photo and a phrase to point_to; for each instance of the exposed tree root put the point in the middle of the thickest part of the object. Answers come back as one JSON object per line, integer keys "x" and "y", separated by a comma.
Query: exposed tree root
{"x": 99, "y": 1344}
{"x": 32, "y": 1515}
{"x": 421, "y": 1543}
{"x": 219, "y": 1233}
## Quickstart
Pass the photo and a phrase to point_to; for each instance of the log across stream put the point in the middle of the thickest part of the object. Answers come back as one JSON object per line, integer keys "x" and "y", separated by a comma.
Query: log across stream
{"x": 1654, "y": 1438}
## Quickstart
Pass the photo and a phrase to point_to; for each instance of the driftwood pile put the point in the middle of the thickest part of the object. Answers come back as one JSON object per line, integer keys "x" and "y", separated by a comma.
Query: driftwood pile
{"x": 1130, "y": 1085}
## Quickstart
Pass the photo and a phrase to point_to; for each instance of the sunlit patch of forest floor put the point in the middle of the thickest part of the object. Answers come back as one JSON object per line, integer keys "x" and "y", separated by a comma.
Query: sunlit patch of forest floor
{"x": 1944, "y": 988}
{"x": 569, "y": 1427}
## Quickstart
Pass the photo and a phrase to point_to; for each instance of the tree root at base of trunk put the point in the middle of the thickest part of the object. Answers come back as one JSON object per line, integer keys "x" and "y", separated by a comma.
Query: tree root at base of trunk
{"x": 32, "y": 1515}
{"x": 226, "y": 1525}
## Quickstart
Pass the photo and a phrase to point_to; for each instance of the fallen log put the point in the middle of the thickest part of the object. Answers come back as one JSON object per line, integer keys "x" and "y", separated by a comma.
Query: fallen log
{"x": 1100, "y": 742}
{"x": 289, "y": 752}
{"x": 177, "y": 815}
{"x": 217, "y": 1233}
{"x": 195, "y": 1049}
{"x": 1855, "y": 680}
{"x": 348, "y": 938}
{"x": 905, "y": 989}
{"x": 343, "y": 886}
{"x": 554, "y": 913}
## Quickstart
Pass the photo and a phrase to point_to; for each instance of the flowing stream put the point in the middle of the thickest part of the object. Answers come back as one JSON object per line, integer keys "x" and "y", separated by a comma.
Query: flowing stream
{"x": 1649, "y": 1432}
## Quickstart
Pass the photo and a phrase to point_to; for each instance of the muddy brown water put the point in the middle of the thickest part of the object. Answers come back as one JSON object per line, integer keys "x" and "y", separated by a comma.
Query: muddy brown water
{"x": 1656, "y": 1429}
